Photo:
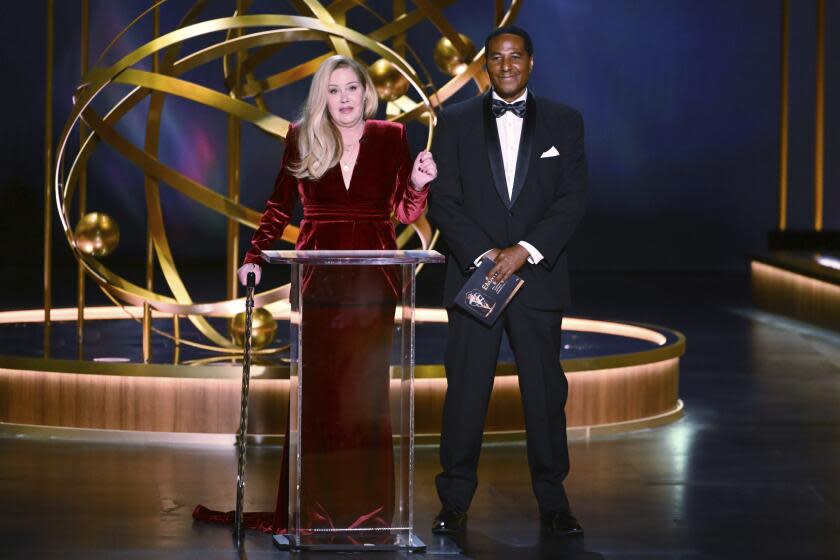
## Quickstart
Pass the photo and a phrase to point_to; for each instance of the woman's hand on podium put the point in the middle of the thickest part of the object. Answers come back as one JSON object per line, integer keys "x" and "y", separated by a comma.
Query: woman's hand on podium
{"x": 243, "y": 271}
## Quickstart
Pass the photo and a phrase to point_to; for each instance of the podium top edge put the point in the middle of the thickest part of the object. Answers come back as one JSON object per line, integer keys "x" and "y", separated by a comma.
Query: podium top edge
{"x": 353, "y": 257}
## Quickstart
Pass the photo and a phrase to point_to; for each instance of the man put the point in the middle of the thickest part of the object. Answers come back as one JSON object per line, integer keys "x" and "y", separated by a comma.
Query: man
{"x": 511, "y": 185}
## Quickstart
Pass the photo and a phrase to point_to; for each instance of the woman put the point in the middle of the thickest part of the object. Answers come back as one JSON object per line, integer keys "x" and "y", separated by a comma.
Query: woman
{"x": 351, "y": 174}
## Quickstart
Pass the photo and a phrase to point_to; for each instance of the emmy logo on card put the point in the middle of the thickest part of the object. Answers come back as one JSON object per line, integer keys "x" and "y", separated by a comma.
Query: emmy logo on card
{"x": 480, "y": 302}
{"x": 484, "y": 298}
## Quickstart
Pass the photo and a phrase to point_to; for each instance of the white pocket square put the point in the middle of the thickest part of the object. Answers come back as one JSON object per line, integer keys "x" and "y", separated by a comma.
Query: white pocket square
{"x": 551, "y": 152}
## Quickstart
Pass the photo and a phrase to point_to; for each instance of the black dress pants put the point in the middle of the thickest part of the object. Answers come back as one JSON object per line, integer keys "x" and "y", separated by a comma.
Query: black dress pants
{"x": 472, "y": 353}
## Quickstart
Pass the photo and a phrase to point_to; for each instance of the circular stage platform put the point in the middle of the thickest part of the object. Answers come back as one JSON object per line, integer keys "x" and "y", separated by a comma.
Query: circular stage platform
{"x": 622, "y": 377}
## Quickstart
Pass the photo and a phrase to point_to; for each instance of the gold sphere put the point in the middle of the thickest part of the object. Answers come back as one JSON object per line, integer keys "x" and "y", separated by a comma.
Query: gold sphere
{"x": 390, "y": 84}
{"x": 97, "y": 234}
{"x": 447, "y": 57}
{"x": 263, "y": 328}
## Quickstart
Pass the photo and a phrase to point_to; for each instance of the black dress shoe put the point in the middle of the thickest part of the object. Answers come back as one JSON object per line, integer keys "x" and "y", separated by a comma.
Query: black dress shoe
{"x": 449, "y": 520}
{"x": 560, "y": 523}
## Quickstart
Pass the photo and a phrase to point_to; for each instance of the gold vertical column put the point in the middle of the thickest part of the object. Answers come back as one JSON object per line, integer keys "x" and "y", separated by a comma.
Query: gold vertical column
{"x": 783, "y": 115}
{"x": 48, "y": 161}
{"x": 150, "y": 247}
{"x": 233, "y": 167}
{"x": 176, "y": 333}
{"x": 819, "y": 128}
{"x": 500, "y": 11}
{"x": 399, "y": 39}
{"x": 82, "y": 188}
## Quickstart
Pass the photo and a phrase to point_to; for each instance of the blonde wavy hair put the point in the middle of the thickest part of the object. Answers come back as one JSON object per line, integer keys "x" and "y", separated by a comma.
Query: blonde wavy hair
{"x": 319, "y": 144}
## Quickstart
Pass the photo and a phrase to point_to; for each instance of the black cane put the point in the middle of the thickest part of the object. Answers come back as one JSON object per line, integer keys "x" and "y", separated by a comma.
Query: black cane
{"x": 242, "y": 436}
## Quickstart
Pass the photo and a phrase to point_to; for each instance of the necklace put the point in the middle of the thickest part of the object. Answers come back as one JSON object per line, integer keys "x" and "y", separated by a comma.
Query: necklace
{"x": 349, "y": 150}
{"x": 345, "y": 163}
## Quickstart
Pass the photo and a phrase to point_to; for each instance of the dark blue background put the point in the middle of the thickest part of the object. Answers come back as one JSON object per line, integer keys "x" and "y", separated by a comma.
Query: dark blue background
{"x": 680, "y": 99}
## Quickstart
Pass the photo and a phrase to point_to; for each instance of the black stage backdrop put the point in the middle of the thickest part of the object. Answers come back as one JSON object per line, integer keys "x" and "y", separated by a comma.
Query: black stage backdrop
{"x": 680, "y": 98}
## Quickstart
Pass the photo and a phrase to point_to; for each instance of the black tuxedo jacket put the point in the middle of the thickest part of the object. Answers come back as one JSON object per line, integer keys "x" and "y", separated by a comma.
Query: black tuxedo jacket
{"x": 470, "y": 204}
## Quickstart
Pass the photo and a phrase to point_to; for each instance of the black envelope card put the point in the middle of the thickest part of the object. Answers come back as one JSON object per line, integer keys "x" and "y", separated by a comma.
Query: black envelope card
{"x": 485, "y": 299}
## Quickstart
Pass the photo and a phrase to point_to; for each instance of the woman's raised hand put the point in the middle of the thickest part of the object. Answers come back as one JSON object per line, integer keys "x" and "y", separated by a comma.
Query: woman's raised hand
{"x": 424, "y": 170}
{"x": 243, "y": 271}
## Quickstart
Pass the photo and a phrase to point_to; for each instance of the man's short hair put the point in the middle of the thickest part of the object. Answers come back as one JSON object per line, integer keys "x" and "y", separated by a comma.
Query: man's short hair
{"x": 510, "y": 30}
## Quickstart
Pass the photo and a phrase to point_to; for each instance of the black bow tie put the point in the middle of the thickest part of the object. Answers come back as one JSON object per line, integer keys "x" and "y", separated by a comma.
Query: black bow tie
{"x": 499, "y": 108}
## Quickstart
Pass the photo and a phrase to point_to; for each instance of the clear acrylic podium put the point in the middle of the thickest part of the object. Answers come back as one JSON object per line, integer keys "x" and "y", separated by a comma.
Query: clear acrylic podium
{"x": 351, "y": 399}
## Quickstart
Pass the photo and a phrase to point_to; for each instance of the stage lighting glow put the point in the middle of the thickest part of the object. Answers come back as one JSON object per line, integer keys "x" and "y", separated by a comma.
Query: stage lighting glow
{"x": 609, "y": 393}
{"x": 829, "y": 262}
{"x": 796, "y": 295}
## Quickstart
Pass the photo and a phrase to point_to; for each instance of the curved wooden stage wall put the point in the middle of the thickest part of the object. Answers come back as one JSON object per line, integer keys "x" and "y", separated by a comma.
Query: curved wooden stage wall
{"x": 208, "y": 401}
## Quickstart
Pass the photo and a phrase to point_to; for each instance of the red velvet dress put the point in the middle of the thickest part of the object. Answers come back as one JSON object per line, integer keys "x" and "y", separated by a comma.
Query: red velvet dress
{"x": 348, "y": 316}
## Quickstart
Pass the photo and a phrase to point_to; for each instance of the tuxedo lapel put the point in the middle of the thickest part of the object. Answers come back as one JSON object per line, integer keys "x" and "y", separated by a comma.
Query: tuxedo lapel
{"x": 526, "y": 142}
{"x": 494, "y": 151}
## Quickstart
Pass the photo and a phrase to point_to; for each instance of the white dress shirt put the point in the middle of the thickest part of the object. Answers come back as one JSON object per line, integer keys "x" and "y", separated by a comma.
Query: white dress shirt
{"x": 510, "y": 131}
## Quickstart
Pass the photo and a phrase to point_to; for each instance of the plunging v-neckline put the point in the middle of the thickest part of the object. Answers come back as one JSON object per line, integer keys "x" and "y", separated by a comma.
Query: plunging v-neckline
{"x": 348, "y": 184}
{"x": 345, "y": 183}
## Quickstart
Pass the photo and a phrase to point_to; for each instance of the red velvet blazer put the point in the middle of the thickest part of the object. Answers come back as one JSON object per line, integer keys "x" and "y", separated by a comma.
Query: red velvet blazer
{"x": 338, "y": 218}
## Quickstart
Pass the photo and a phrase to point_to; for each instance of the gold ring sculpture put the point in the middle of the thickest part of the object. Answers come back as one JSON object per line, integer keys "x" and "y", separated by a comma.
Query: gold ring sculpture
{"x": 254, "y": 38}
{"x": 191, "y": 401}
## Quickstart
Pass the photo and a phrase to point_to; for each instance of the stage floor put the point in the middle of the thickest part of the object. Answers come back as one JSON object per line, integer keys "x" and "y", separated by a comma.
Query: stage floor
{"x": 751, "y": 471}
